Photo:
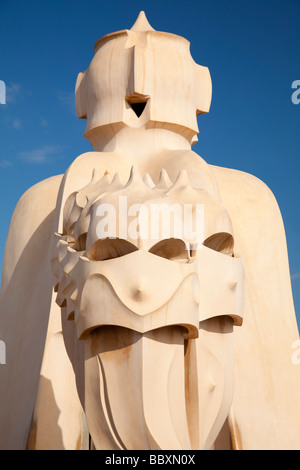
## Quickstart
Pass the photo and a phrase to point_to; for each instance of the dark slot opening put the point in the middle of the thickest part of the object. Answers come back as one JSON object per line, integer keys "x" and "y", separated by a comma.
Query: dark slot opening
{"x": 138, "y": 108}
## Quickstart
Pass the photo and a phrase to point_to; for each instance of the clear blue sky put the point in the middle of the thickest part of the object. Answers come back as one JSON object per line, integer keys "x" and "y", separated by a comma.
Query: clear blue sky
{"x": 252, "y": 48}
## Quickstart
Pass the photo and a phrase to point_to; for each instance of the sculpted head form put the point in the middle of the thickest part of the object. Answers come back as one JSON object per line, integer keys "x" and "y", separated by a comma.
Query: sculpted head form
{"x": 134, "y": 288}
{"x": 144, "y": 266}
{"x": 130, "y": 83}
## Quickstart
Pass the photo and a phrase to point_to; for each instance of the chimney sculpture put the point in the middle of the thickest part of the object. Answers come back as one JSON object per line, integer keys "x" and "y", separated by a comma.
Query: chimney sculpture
{"x": 134, "y": 275}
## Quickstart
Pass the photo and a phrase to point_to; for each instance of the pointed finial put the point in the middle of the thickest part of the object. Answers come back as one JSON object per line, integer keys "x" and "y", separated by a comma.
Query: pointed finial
{"x": 134, "y": 177}
{"x": 148, "y": 181}
{"x": 95, "y": 176}
{"x": 182, "y": 182}
{"x": 81, "y": 199}
{"x": 116, "y": 183}
{"x": 164, "y": 181}
{"x": 142, "y": 24}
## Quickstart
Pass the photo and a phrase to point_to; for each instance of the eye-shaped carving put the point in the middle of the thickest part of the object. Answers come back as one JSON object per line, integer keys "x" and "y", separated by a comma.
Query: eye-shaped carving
{"x": 222, "y": 242}
{"x": 110, "y": 248}
{"x": 172, "y": 249}
{"x": 80, "y": 244}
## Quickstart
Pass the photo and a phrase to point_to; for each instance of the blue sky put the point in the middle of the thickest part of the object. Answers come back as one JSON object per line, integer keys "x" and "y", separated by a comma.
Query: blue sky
{"x": 252, "y": 48}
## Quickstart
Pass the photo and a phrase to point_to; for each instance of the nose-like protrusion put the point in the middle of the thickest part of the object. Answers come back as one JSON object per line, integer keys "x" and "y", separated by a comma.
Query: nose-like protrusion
{"x": 140, "y": 291}
{"x": 138, "y": 87}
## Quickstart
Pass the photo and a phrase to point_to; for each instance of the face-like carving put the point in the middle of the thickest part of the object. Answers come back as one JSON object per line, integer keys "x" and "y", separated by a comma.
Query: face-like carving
{"x": 135, "y": 78}
{"x": 151, "y": 310}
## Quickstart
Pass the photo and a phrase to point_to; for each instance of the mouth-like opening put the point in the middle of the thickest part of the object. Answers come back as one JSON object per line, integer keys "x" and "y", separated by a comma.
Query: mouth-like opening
{"x": 138, "y": 108}
{"x": 137, "y": 103}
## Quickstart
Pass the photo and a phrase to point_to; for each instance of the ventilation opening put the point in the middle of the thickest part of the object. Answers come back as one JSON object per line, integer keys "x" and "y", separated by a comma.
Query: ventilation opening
{"x": 222, "y": 242}
{"x": 138, "y": 108}
{"x": 110, "y": 248}
{"x": 172, "y": 249}
{"x": 137, "y": 103}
